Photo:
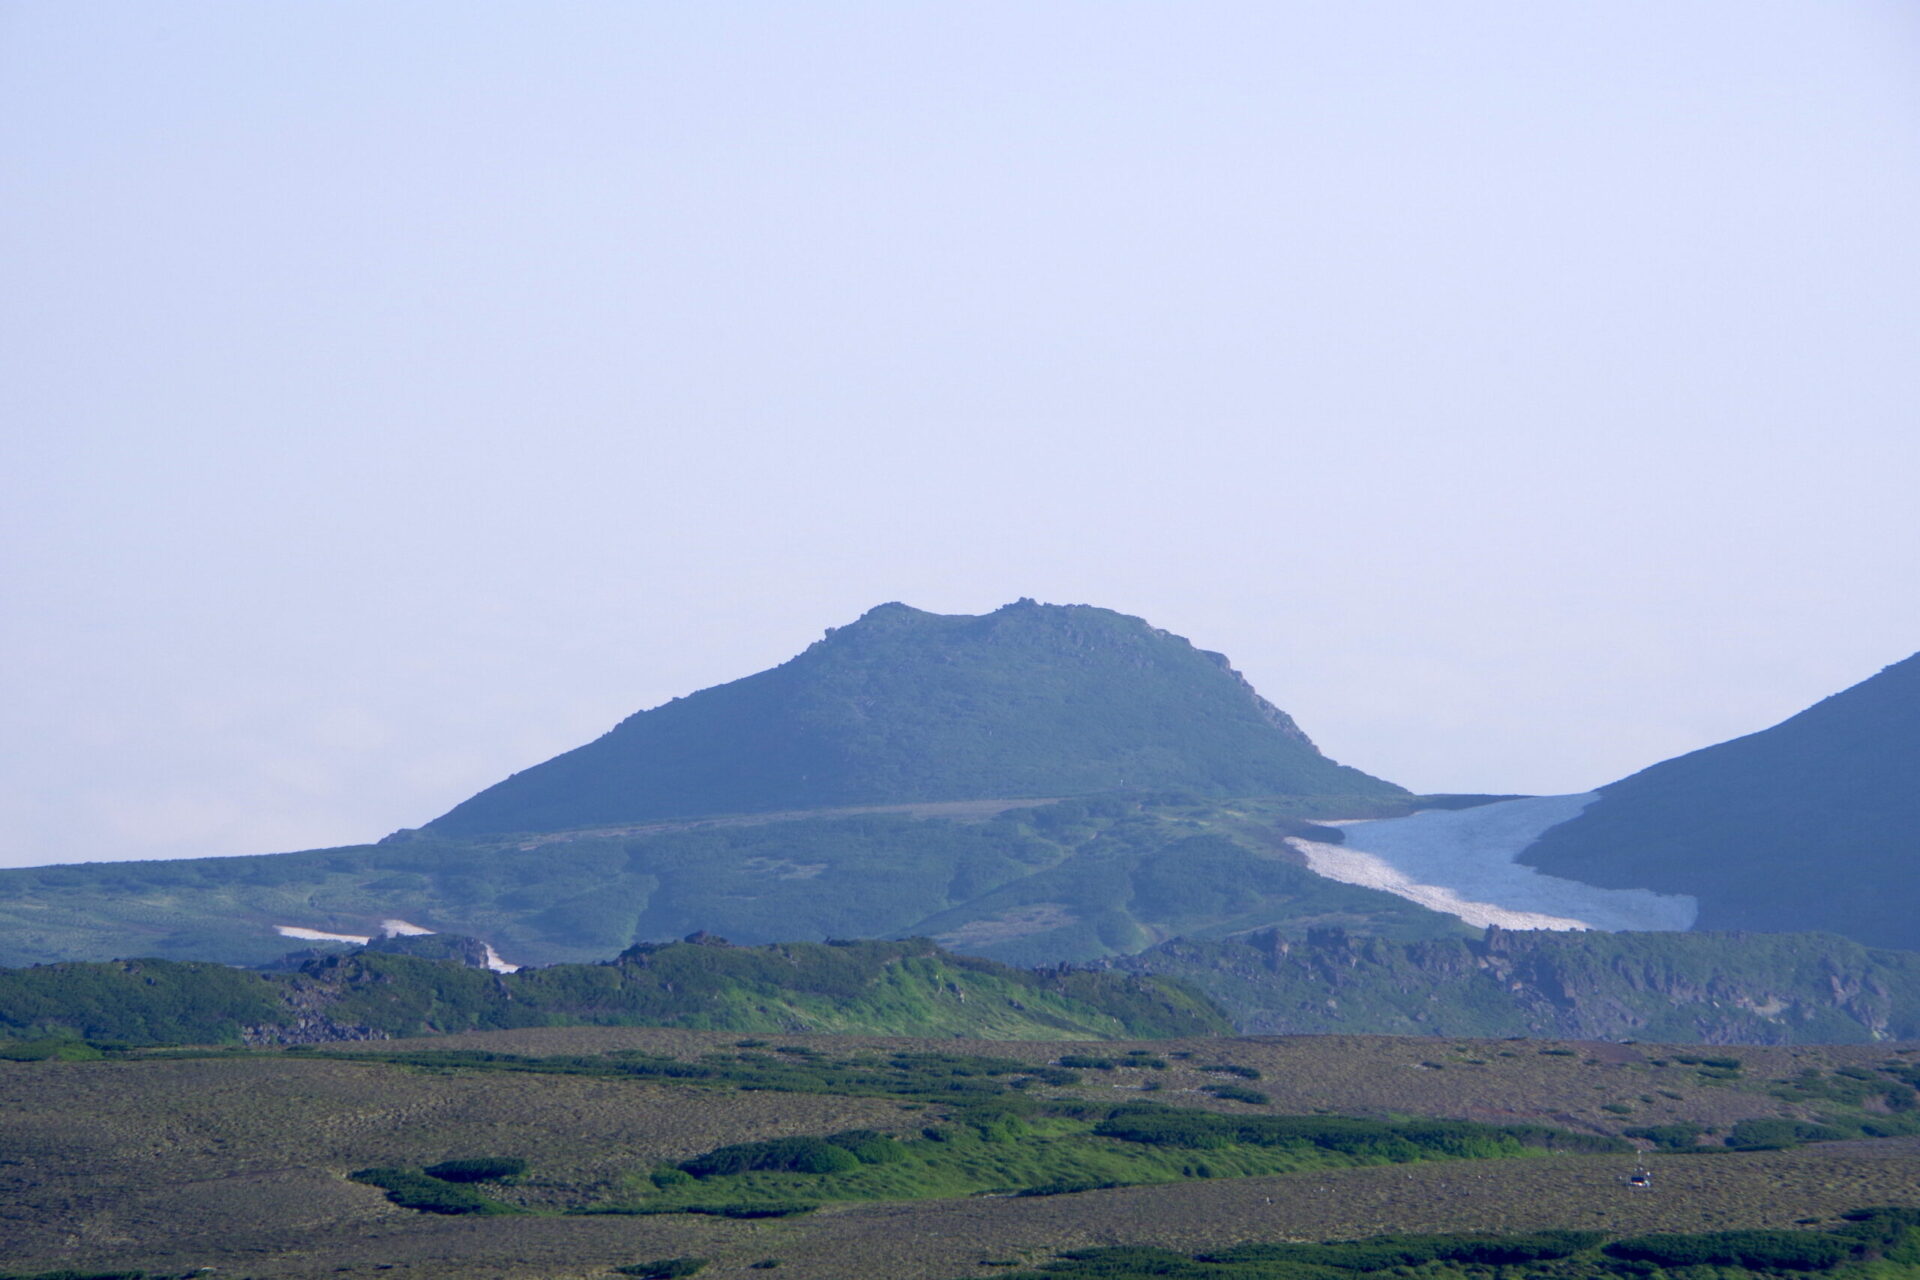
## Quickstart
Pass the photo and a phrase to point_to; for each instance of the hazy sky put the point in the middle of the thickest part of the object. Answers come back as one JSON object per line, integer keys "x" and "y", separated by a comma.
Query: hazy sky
{"x": 397, "y": 394}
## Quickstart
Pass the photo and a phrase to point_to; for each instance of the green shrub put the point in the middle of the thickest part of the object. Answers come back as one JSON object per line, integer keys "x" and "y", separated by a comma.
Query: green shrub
{"x": 483, "y": 1169}
{"x": 1366, "y": 1139}
{"x": 763, "y": 1209}
{"x": 868, "y": 1146}
{"x": 778, "y": 1155}
{"x": 1238, "y": 1093}
{"x": 53, "y": 1048}
{"x": 1233, "y": 1069}
{"x": 1774, "y": 1135}
{"x": 411, "y": 1189}
{"x": 1066, "y": 1188}
{"x": 1880, "y": 1228}
{"x": 1781, "y": 1250}
{"x": 1712, "y": 1064}
{"x": 663, "y": 1268}
{"x": 1382, "y": 1252}
{"x": 1084, "y": 1062}
{"x": 835, "y": 1153}
{"x": 1681, "y": 1135}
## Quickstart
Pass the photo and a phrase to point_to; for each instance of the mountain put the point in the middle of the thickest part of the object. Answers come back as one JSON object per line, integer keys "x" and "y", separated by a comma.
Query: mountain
{"x": 1812, "y": 824}
{"x": 902, "y": 776}
{"x": 1031, "y": 700}
{"x": 1680, "y": 988}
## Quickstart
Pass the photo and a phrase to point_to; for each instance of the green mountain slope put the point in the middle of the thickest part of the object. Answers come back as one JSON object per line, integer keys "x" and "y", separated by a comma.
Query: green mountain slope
{"x": 1071, "y": 881}
{"x": 879, "y": 988}
{"x": 1794, "y": 988}
{"x": 1812, "y": 824}
{"x": 1677, "y": 988}
{"x": 902, "y": 705}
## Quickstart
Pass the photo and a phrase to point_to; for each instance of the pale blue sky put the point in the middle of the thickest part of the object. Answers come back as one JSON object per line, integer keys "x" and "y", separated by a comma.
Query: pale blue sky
{"x": 400, "y": 393}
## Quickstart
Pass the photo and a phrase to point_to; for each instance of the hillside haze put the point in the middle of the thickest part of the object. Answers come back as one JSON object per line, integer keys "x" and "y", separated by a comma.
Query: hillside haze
{"x": 1812, "y": 824}
{"x": 907, "y": 706}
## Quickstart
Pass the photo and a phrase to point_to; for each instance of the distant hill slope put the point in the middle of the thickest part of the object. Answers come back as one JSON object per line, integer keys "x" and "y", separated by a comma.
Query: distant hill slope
{"x": 1070, "y": 881}
{"x": 1677, "y": 988}
{"x": 901, "y": 705}
{"x": 1713, "y": 988}
{"x": 1812, "y": 824}
{"x": 878, "y": 988}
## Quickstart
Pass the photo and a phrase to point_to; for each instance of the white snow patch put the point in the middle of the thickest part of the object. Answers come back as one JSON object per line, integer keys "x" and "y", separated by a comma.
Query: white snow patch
{"x": 1461, "y": 861}
{"x": 315, "y": 935}
{"x": 389, "y": 929}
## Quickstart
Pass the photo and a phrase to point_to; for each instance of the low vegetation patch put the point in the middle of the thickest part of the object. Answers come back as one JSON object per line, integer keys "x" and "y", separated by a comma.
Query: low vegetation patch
{"x": 664, "y": 1268}
{"x": 1874, "y": 1243}
{"x": 909, "y": 1076}
{"x": 483, "y": 1169}
{"x": 414, "y": 1189}
{"x": 1380, "y": 1141}
{"x": 1028, "y": 1147}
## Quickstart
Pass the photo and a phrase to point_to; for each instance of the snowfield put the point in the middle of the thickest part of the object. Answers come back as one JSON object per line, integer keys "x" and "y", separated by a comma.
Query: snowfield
{"x": 315, "y": 935}
{"x": 390, "y": 929}
{"x": 1461, "y": 861}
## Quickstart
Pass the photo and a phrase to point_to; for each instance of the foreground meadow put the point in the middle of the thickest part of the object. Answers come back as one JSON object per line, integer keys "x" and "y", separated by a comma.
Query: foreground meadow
{"x": 242, "y": 1162}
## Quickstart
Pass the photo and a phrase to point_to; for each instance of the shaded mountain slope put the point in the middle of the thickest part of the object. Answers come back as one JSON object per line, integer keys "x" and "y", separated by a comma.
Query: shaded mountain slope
{"x": 1812, "y": 824}
{"x": 903, "y": 705}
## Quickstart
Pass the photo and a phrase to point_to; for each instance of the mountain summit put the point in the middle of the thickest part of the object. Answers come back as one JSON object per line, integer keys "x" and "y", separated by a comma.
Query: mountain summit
{"x": 905, "y": 706}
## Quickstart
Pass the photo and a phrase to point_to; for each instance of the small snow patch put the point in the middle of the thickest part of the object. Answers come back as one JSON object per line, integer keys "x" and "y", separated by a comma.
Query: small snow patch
{"x": 315, "y": 935}
{"x": 402, "y": 929}
{"x": 495, "y": 963}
